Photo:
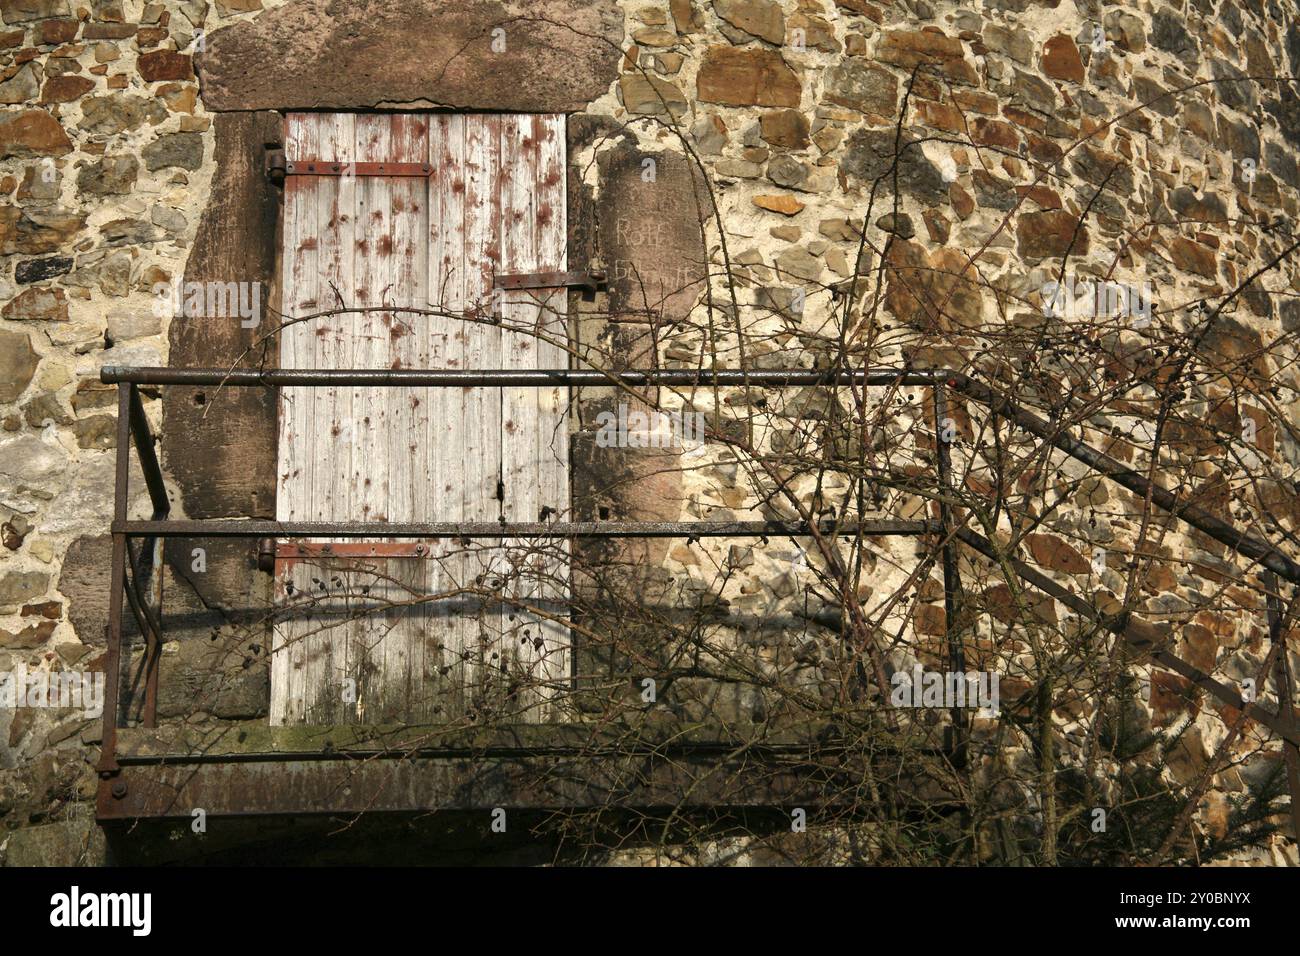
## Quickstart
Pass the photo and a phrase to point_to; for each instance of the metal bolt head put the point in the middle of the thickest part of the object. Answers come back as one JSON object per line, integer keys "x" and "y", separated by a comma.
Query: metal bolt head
{"x": 119, "y": 789}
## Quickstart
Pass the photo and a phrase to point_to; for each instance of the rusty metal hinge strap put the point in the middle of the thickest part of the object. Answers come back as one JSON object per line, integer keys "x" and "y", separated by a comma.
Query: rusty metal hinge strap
{"x": 317, "y": 167}
{"x": 278, "y": 166}
{"x": 590, "y": 281}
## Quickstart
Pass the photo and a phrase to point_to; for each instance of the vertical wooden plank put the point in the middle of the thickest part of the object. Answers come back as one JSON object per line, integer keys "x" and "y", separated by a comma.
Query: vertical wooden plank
{"x": 553, "y": 404}
{"x": 407, "y": 453}
{"x": 519, "y": 405}
{"x": 482, "y": 342}
{"x": 481, "y": 407}
{"x": 327, "y": 663}
{"x": 368, "y": 484}
{"x": 534, "y": 430}
{"x": 447, "y": 441}
{"x": 299, "y": 284}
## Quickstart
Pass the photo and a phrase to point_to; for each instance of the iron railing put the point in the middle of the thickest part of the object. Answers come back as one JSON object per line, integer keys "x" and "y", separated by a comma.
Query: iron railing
{"x": 133, "y": 428}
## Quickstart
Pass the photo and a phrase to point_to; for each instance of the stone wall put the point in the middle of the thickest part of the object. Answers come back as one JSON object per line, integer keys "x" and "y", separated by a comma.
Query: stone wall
{"x": 118, "y": 168}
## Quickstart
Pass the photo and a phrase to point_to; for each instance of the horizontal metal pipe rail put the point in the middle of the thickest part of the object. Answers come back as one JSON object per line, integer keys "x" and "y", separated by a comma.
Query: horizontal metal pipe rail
{"x": 133, "y": 424}
{"x": 505, "y": 378}
{"x": 1222, "y": 531}
{"x": 449, "y": 530}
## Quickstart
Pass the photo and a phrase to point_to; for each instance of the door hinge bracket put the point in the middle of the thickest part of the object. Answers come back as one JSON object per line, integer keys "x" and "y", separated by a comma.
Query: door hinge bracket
{"x": 316, "y": 167}
{"x": 278, "y": 167}
{"x": 588, "y": 282}
{"x": 275, "y": 165}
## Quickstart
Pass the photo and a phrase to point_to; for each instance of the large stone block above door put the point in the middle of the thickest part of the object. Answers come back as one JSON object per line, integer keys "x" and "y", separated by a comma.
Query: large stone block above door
{"x": 552, "y": 56}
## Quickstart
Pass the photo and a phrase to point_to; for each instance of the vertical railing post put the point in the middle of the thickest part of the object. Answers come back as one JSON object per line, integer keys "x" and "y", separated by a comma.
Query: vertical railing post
{"x": 1285, "y": 694}
{"x": 117, "y": 583}
{"x": 951, "y": 577}
{"x": 153, "y": 479}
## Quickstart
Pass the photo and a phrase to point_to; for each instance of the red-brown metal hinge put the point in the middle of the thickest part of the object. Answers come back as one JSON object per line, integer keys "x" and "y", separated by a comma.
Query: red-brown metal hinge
{"x": 549, "y": 280}
{"x": 589, "y": 282}
{"x": 278, "y": 167}
{"x": 318, "y": 167}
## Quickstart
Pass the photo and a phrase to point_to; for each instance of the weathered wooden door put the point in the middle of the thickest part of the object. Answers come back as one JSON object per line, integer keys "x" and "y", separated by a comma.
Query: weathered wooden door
{"x": 402, "y": 630}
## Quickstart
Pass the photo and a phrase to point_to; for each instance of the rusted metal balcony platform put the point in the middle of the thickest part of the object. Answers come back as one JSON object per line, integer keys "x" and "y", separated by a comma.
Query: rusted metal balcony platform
{"x": 249, "y": 770}
{"x": 255, "y": 769}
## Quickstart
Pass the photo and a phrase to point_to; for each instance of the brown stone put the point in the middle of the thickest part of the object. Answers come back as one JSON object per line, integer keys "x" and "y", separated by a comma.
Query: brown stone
{"x": 32, "y": 133}
{"x": 991, "y": 132}
{"x": 963, "y": 203}
{"x": 747, "y": 78}
{"x": 21, "y": 587}
{"x": 649, "y": 95}
{"x": 1044, "y": 150}
{"x": 935, "y": 292}
{"x": 24, "y": 11}
{"x": 108, "y": 31}
{"x": 1237, "y": 349}
{"x": 1200, "y": 647}
{"x": 98, "y": 432}
{"x": 21, "y": 85}
{"x": 862, "y": 86}
{"x": 37, "y": 229}
{"x": 1044, "y": 197}
{"x": 66, "y": 88}
{"x": 1057, "y": 554}
{"x": 59, "y": 31}
{"x": 911, "y": 48}
{"x": 558, "y": 55}
{"x": 50, "y": 610}
{"x": 626, "y": 484}
{"x": 1050, "y": 233}
{"x": 1193, "y": 257}
{"x": 18, "y": 361}
{"x": 760, "y": 18}
{"x": 110, "y": 176}
{"x": 936, "y": 225}
{"x": 930, "y": 619}
{"x": 149, "y": 37}
{"x": 164, "y": 65}
{"x": 119, "y": 113}
{"x": 939, "y": 115}
{"x": 815, "y": 33}
{"x": 786, "y": 205}
{"x": 32, "y": 636}
{"x": 788, "y": 128}
{"x": 655, "y": 38}
{"x": 1061, "y": 60}
{"x": 686, "y": 17}
{"x": 1198, "y": 119}
{"x": 11, "y": 535}
{"x": 38, "y": 305}
{"x": 861, "y": 8}
{"x": 1171, "y": 695}
{"x": 179, "y": 98}
{"x": 999, "y": 602}
{"x": 12, "y": 38}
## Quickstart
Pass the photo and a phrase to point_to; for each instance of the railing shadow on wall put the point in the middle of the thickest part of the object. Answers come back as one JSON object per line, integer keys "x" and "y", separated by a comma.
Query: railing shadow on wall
{"x": 133, "y": 430}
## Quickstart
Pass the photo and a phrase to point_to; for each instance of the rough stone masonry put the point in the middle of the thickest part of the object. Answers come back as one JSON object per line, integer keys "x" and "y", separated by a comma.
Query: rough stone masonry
{"x": 131, "y": 138}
